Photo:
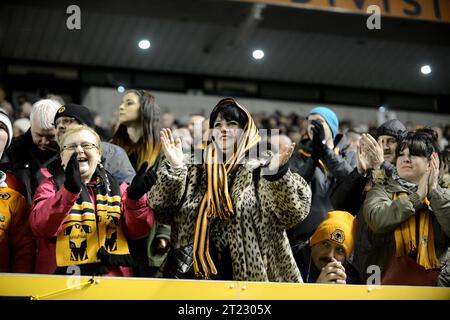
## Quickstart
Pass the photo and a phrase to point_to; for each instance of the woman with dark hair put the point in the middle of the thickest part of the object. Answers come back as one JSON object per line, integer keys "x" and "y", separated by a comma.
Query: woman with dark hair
{"x": 139, "y": 126}
{"x": 230, "y": 213}
{"x": 83, "y": 217}
{"x": 410, "y": 216}
{"x": 138, "y": 135}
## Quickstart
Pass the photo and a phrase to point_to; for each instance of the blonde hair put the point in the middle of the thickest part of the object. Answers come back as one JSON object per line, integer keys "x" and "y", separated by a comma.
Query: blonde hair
{"x": 78, "y": 128}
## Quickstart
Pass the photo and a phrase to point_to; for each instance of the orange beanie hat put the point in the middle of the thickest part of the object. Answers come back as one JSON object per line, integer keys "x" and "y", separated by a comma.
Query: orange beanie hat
{"x": 339, "y": 227}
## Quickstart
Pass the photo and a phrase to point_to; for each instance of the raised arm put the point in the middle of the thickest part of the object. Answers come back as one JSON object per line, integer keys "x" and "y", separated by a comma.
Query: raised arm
{"x": 166, "y": 194}
{"x": 284, "y": 194}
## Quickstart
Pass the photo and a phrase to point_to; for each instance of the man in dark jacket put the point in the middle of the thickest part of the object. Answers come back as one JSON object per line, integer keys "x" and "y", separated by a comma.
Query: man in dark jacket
{"x": 324, "y": 258}
{"x": 31, "y": 152}
{"x": 114, "y": 158}
{"x": 348, "y": 193}
{"x": 376, "y": 154}
{"x": 320, "y": 161}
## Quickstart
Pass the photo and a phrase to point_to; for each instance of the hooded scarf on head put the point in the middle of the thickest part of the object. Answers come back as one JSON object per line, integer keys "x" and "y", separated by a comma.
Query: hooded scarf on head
{"x": 216, "y": 202}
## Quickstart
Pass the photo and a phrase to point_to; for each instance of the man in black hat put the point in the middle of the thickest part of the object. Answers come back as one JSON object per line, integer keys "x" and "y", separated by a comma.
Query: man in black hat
{"x": 389, "y": 134}
{"x": 376, "y": 152}
{"x": 114, "y": 158}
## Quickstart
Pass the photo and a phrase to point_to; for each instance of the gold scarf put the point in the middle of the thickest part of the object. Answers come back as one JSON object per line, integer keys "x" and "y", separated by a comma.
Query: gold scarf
{"x": 90, "y": 237}
{"x": 405, "y": 237}
{"x": 216, "y": 201}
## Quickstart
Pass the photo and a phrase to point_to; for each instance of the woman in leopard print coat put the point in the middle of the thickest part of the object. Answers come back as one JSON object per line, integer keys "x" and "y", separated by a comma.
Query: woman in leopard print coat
{"x": 241, "y": 215}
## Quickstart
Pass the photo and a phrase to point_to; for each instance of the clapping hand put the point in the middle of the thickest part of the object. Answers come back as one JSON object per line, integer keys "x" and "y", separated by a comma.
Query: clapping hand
{"x": 422, "y": 189}
{"x": 370, "y": 153}
{"x": 172, "y": 148}
{"x": 434, "y": 173}
{"x": 318, "y": 141}
{"x": 281, "y": 158}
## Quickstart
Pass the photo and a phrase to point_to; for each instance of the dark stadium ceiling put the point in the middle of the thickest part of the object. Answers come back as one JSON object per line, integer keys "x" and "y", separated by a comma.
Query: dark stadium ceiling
{"x": 216, "y": 38}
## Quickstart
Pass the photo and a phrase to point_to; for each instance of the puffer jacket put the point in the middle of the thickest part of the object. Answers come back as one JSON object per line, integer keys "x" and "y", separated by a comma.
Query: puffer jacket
{"x": 258, "y": 244}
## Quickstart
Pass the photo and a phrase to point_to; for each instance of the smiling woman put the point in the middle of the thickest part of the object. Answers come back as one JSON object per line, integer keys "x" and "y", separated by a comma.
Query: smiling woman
{"x": 408, "y": 215}
{"x": 82, "y": 217}
{"x": 231, "y": 212}
{"x": 227, "y": 128}
{"x": 86, "y": 146}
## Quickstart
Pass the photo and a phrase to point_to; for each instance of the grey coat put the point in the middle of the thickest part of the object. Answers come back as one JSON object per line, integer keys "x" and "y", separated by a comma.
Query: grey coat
{"x": 116, "y": 162}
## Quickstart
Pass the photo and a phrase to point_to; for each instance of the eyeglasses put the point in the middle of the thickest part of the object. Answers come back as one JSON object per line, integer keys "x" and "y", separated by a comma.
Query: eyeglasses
{"x": 84, "y": 146}
{"x": 65, "y": 121}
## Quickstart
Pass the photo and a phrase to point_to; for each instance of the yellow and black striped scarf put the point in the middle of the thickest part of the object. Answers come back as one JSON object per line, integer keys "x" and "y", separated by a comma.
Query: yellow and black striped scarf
{"x": 405, "y": 237}
{"x": 93, "y": 234}
{"x": 217, "y": 202}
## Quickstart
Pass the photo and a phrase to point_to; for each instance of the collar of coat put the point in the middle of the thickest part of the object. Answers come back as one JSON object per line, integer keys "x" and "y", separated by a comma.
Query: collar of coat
{"x": 392, "y": 186}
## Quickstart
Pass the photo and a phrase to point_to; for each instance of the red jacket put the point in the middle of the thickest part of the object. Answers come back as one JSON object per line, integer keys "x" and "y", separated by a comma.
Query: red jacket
{"x": 50, "y": 207}
{"x": 17, "y": 245}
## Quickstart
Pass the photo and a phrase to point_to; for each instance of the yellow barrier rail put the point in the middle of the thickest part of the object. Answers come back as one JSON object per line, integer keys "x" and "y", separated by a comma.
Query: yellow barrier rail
{"x": 41, "y": 287}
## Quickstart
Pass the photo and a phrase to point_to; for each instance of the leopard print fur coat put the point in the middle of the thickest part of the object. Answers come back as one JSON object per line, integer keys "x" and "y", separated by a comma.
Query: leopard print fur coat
{"x": 259, "y": 247}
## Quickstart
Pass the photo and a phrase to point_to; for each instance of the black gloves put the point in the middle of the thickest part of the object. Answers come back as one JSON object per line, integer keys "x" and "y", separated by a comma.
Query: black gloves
{"x": 73, "y": 179}
{"x": 318, "y": 142}
{"x": 142, "y": 182}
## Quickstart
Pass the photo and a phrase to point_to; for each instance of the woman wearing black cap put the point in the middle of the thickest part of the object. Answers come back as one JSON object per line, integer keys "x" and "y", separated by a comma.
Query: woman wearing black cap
{"x": 228, "y": 211}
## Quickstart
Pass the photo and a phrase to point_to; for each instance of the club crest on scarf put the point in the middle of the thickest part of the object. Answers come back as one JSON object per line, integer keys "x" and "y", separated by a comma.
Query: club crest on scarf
{"x": 88, "y": 231}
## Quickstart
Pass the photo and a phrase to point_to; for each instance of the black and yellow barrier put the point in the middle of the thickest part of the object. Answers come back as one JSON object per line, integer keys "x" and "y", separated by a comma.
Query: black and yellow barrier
{"x": 41, "y": 287}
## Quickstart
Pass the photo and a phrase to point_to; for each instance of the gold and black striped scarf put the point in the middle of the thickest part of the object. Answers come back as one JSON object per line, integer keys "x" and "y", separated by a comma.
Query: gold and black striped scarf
{"x": 405, "y": 237}
{"x": 217, "y": 202}
{"x": 93, "y": 234}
